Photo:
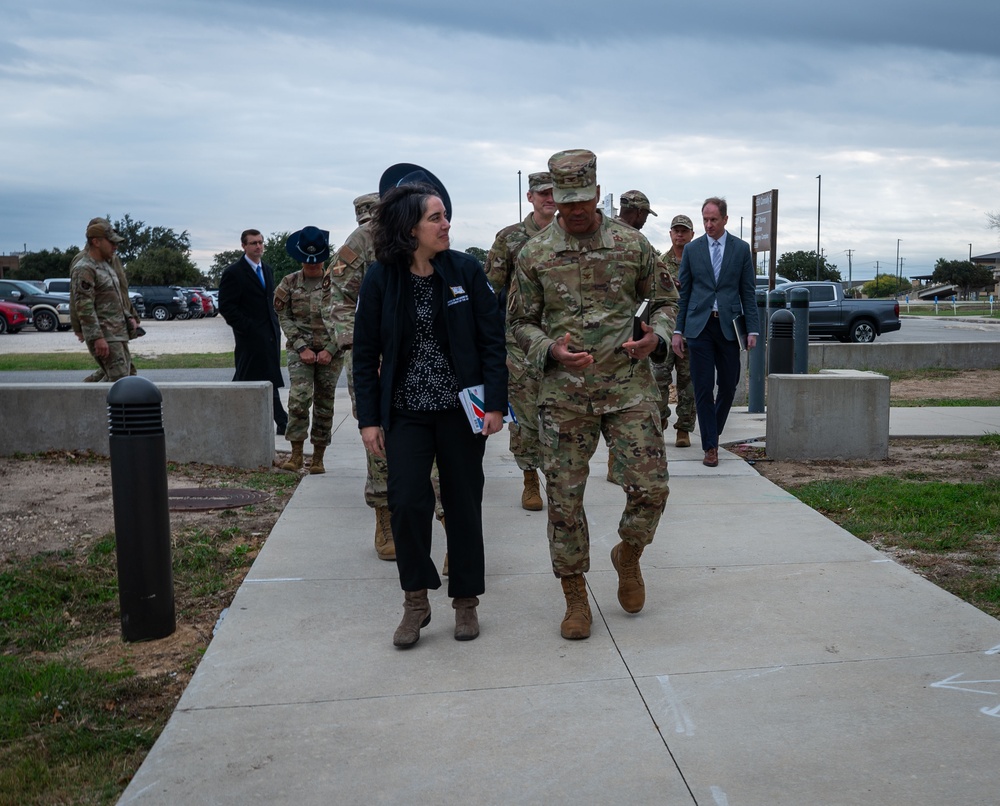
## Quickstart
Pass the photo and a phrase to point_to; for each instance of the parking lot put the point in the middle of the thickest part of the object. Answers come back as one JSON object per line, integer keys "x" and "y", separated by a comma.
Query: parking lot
{"x": 162, "y": 338}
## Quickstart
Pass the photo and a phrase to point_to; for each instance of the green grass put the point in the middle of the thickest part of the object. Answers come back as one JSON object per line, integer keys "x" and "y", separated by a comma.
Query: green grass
{"x": 76, "y": 732}
{"x": 944, "y": 402}
{"x": 26, "y": 362}
{"x": 950, "y": 531}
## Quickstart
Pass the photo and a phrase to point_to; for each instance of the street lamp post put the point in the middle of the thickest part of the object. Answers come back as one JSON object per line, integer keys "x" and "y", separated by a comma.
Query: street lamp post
{"x": 899, "y": 277}
{"x": 819, "y": 199}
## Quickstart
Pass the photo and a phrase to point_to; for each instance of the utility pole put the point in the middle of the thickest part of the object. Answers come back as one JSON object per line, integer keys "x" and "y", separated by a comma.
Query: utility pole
{"x": 897, "y": 262}
{"x": 876, "y": 278}
{"x": 850, "y": 252}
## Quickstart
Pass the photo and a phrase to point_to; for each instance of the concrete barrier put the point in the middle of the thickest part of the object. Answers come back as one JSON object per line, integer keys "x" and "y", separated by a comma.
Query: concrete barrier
{"x": 883, "y": 356}
{"x": 836, "y": 414}
{"x": 215, "y": 423}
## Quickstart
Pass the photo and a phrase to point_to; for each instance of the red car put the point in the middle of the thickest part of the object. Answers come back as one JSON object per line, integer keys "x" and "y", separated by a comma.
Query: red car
{"x": 13, "y": 317}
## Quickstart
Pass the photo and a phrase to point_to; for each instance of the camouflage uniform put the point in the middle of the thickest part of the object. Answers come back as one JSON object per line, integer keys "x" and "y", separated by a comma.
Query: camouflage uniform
{"x": 347, "y": 270}
{"x": 100, "y": 308}
{"x": 662, "y": 372}
{"x": 590, "y": 288}
{"x": 98, "y": 375}
{"x": 522, "y": 386}
{"x": 303, "y": 305}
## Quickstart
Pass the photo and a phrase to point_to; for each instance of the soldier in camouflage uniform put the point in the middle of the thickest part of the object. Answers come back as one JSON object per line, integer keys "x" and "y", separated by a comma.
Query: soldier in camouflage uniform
{"x": 681, "y": 233}
{"x": 522, "y": 386}
{"x": 577, "y": 287}
{"x": 134, "y": 329}
{"x": 98, "y": 304}
{"x": 347, "y": 270}
{"x": 302, "y": 302}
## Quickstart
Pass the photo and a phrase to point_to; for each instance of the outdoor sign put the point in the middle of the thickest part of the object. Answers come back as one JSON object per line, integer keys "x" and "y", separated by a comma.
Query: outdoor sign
{"x": 765, "y": 229}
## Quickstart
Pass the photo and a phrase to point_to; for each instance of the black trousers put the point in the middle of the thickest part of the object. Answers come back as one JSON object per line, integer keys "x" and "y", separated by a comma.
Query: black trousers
{"x": 414, "y": 440}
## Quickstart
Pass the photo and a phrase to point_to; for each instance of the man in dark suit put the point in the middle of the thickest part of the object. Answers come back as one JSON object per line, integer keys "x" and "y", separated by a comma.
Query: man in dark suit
{"x": 717, "y": 285}
{"x": 246, "y": 302}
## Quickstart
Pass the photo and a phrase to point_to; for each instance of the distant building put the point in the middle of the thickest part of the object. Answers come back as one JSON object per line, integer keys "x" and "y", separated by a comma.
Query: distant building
{"x": 8, "y": 264}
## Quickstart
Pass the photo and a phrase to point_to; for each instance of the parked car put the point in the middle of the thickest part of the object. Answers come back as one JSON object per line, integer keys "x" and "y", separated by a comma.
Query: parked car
{"x": 209, "y": 303}
{"x": 194, "y": 309}
{"x": 778, "y": 280}
{"x": 13, "y": 317}
{"x": 162, "y": 302}
{"x": 49, "y": 312}
{"x": 854, "y": 320}
{"x": 60, "y": 285}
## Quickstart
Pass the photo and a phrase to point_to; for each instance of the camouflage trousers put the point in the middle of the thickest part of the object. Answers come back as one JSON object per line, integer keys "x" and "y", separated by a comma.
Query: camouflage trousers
{"x": 313, "y": 387}
{"x": 377, "y": 470}
{"x": 117, "y": 364}
{"x": 522, "y": 391}
{"x": 685, "y": 390}
{"x": 568, "y": 441}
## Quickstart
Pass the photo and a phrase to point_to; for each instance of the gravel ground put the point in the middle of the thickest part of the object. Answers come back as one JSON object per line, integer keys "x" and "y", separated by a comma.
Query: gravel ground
{"x": 162, "y": 338}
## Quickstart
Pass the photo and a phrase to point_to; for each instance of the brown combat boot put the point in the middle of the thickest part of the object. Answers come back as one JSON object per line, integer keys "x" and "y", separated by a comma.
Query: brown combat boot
{"x": 316, "y": 465}
{"x": 466, "y": 620}
{"x": 576, "y": 622}
{"x": 631, "y": 588}
{"x": 531, "y": 498}
{"x": 683, "y": 439}
{"x": 295, "y": 460}
{"x": 416, "y": 614}
{"x": 385, "y": 546}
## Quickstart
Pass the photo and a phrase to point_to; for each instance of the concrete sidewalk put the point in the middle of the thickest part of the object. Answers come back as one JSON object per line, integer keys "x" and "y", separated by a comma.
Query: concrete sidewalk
{"x": 778, "y": 660}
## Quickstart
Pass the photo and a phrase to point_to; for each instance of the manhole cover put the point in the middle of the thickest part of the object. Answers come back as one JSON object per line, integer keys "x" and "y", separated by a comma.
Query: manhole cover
{"x": 204, "y": 498}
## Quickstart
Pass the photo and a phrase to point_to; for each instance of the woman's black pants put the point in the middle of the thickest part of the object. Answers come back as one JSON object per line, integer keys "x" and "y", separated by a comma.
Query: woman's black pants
{"x": 414, "y": 440}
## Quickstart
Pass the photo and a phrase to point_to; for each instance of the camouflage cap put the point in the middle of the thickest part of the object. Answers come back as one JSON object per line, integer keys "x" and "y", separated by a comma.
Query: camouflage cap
{"x": 681, "y": 221}
{"x": 101, "y": 228}
{"x": 539, "y": 181}
{"x": 574, "y": 175}
{"x": 363, "y": 207}
{"x": 637, "y": 200}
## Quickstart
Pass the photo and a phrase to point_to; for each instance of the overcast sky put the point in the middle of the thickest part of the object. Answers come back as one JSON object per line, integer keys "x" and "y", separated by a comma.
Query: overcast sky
{"x": 213, "y": 117}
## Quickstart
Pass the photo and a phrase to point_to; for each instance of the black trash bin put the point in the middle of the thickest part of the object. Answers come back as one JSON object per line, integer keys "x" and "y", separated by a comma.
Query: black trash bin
{"x": 142, "y": 516}
{"x": 780, "y": 343}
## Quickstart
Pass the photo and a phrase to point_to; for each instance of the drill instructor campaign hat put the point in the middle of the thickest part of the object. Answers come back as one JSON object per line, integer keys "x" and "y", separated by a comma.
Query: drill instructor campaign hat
{"x": 308, "y": 245}
{"x": 406, "y": 173}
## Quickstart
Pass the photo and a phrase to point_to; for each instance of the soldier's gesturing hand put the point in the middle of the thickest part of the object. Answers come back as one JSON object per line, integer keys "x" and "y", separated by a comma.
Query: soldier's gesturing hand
{"x": 569, "y": 357}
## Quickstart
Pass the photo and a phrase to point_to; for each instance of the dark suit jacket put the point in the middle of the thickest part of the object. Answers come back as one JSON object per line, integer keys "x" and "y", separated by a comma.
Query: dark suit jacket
{"x": 736, "y": 289}
{"x": 248, "y": 309}
{"x": 466, "y": 321}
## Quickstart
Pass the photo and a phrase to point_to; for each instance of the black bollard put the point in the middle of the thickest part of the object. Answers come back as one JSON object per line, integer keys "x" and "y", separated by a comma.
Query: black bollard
{"x": 798, "y": 301}
{"x": 780, "y": 343}
{"x": 142, "y": 518}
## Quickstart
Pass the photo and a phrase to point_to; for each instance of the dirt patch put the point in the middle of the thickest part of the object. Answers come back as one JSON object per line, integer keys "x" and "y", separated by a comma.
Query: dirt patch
{"x": 62, "y": 502}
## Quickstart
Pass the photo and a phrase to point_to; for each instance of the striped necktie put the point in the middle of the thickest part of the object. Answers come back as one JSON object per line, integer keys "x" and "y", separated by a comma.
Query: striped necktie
{"x": 716, "y": 259}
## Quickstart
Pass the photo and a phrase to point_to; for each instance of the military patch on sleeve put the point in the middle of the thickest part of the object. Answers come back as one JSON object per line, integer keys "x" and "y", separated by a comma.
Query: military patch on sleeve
{"x": 667, "y": 281}
{"x": 279, "y": 304}
{"x": 337, "y": 269}
{"x": 326, "y": 282}
{"x": 280, "y": 297}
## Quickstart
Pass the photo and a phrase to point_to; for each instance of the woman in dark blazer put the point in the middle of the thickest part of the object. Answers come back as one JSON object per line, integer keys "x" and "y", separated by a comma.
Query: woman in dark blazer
{"x": 426, "y": 327}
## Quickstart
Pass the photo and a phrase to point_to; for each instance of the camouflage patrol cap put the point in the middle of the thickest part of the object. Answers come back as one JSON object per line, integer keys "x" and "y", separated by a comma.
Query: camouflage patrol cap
{"x": 539, "y": 181}
{"x": 681, "y": 221}
{"x": 363, "y": 207}
{"x": 101, "y": 228}
{"x": 637, "y": 200}
{"x": 574, "y": 175}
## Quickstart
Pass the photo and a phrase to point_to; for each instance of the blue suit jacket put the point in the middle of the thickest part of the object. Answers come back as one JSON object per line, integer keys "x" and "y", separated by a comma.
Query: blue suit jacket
{"x": 735, "y": 290}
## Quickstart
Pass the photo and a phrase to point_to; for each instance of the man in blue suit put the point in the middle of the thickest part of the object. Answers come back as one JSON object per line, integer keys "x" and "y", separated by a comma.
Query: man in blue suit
{"x": 717, "y": 285}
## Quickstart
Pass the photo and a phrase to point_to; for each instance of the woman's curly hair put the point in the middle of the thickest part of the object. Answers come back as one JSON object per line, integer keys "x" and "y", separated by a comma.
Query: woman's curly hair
{"x": 393, "y": 220}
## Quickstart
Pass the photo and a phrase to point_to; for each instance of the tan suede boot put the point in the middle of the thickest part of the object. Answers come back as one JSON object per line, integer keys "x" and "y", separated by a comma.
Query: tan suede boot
{"x": 683, "y": 439}
{"x": 631, "y": 588}
{"x": 466, "y": 620}
{"x": 416, "y": 614}
{"x": 531, "y": 498}
{"x": 385, "y": 546}
{"x": 316, "y": 465}
{"x": 576, "y": 622}
{"x": 295, "y": 460}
